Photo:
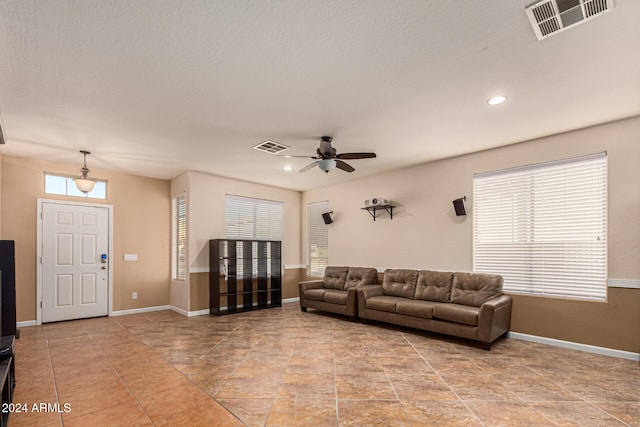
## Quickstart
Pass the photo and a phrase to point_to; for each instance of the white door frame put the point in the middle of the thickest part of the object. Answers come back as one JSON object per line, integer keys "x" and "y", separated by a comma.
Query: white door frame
{"x": 41, "y": 202}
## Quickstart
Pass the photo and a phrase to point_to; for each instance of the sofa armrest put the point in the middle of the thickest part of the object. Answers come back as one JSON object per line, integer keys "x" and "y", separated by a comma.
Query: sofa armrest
{"x": 304, "y": 286}
{"x": 367, "y": 291}
{"x": 495, "y": 318}
{"x": 310, "y": 284}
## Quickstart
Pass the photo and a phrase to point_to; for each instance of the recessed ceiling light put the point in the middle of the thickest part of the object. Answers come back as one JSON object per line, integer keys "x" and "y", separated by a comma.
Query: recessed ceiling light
{"x": 496, "y": 100}
{"x": 288, "y": 168}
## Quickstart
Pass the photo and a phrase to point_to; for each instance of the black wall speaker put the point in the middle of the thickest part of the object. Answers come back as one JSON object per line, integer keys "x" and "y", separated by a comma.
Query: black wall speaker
{"x": 326, "y": 217}
{"x": 458, "y": 205}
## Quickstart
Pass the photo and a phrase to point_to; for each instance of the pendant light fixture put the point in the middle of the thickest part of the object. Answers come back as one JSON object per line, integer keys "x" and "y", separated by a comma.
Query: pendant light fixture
{"x": 84, "y": 183}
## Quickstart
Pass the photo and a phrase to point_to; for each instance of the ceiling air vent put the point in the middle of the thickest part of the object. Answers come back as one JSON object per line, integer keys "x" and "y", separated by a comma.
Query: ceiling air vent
{"x": 549, "y": 17}
{"x": 270, "y": 147}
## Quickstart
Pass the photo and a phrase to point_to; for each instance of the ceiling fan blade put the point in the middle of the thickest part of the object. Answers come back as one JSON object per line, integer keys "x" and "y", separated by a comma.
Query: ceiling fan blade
{"x": 354, "y": 156}
{"x": 289, "y": 156}
{"x": 344, "y": 166}
{"x": 309, "y": 166}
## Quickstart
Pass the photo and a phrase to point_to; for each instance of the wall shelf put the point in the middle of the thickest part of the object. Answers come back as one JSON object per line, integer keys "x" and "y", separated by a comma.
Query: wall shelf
{"x": 247, "y": 273}
{"x": 373, "y": 209}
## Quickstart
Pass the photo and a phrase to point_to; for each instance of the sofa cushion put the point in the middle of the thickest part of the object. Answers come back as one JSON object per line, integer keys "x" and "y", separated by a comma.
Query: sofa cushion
{"x": 335, "y": 277}
{"x": 335, "y": 296}
{"x": 475, "y": 288}
{"x": 382, "y": 303}
{"x": 400, "y": 283}
{"x": 359, "y": 276}
{"x": 456, "y": 313}
{"x": 415, "y": 308}
{"x": 434, "y": 285}
{"x": 315, "y": 294}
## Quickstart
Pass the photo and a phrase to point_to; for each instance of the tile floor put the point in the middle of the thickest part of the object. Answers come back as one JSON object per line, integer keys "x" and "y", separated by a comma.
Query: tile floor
{"x": 281, "y": 367}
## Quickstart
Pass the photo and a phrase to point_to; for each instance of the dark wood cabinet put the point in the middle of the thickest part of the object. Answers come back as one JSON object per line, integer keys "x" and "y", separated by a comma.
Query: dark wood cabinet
{"x": 7, "y": 377}
{"x": 8, "y": 287}
{"x": 244, "y": 275}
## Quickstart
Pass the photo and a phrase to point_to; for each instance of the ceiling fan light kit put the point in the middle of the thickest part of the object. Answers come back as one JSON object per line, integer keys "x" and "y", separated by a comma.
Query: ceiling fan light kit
{"x": 327, "y": 157}
{"x": 327, "y": 165}
{"x": 84, "y": 183}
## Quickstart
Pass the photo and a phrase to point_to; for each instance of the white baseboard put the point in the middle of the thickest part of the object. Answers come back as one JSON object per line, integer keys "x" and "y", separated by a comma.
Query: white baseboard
{"x": 577, "y": 346}
{"x": 207, "y": 311}
{"x": 140, "y": 310}
{"x": 190, "y": 313}
{"x": 26, "y": 323}
{"x": 624, "y": 283}
{"x": 199, "y": 312}
{"x": 179, "y": 310}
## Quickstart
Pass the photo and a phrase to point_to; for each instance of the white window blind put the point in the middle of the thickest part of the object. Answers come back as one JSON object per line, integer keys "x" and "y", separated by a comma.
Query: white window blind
{"x": 253, "y": 219}
{"x": 318, "y": 238}
{"x": 544, "y": 227}
{"x": 179, "y": 237}
{"x": 248, "y": 218}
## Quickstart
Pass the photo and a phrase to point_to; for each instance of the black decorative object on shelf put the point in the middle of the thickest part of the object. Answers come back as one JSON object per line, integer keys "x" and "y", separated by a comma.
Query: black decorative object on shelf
{"x": 373, "y": 209}
{"x": 247, "y": 273}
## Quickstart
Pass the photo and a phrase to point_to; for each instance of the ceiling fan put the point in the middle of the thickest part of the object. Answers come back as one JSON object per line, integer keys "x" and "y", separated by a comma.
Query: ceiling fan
{"x": 327, "y": 157}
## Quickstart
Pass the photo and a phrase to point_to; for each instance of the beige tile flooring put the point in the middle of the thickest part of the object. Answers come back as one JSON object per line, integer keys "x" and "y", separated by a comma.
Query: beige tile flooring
{"x": 281, "y": 367}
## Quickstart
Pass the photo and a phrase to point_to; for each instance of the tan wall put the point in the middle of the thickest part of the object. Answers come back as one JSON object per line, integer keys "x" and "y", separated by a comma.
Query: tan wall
{"x": 141, "y": 225}
{"x": 425, "y": 233}
{"x": 199, "y": 291}
{"x": 612, "y": 325}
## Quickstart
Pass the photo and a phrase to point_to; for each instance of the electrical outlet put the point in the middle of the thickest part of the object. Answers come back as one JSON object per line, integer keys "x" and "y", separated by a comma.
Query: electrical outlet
{"x": 134, "y": 295}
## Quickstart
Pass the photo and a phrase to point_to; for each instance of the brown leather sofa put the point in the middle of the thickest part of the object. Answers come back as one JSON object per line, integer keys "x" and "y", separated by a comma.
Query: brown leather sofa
{"x": 336, "y": 291}
{"x": 467, "y": 305}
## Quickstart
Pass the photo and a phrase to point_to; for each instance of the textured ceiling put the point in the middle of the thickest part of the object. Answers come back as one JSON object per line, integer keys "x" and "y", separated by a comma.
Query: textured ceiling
{"x": 160, "y": 87}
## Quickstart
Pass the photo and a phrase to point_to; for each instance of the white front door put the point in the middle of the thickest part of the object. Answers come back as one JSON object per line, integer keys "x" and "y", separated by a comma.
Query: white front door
{"x": 75, "y": 277}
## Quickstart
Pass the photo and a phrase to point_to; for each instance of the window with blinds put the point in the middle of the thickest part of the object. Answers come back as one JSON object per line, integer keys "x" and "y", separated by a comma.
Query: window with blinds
{"x": 544, "y": 227}
{"x": 178, "y": 237}
{"x": 318, "y": 238}
{"x": 253, "y": 219}
{"x": 248, "y": 218}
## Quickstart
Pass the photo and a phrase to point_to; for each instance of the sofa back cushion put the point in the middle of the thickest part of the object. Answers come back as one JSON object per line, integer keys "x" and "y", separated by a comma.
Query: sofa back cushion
{"x": 400, "y": 283}
{"x": 335, "y": 277}
{"x": 434, "y": 285}
{"x": 358, "y": 276}
{"x": 475, "y": 288}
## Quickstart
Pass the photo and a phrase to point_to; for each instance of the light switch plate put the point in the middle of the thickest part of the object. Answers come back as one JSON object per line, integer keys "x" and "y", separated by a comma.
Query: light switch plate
{"x": 130, "y": 257}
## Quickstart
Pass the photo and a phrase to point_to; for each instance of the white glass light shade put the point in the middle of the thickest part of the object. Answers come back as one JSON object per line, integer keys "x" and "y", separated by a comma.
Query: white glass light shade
{"x": 327, "y": 164}
{"x": 85, "y": 185}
